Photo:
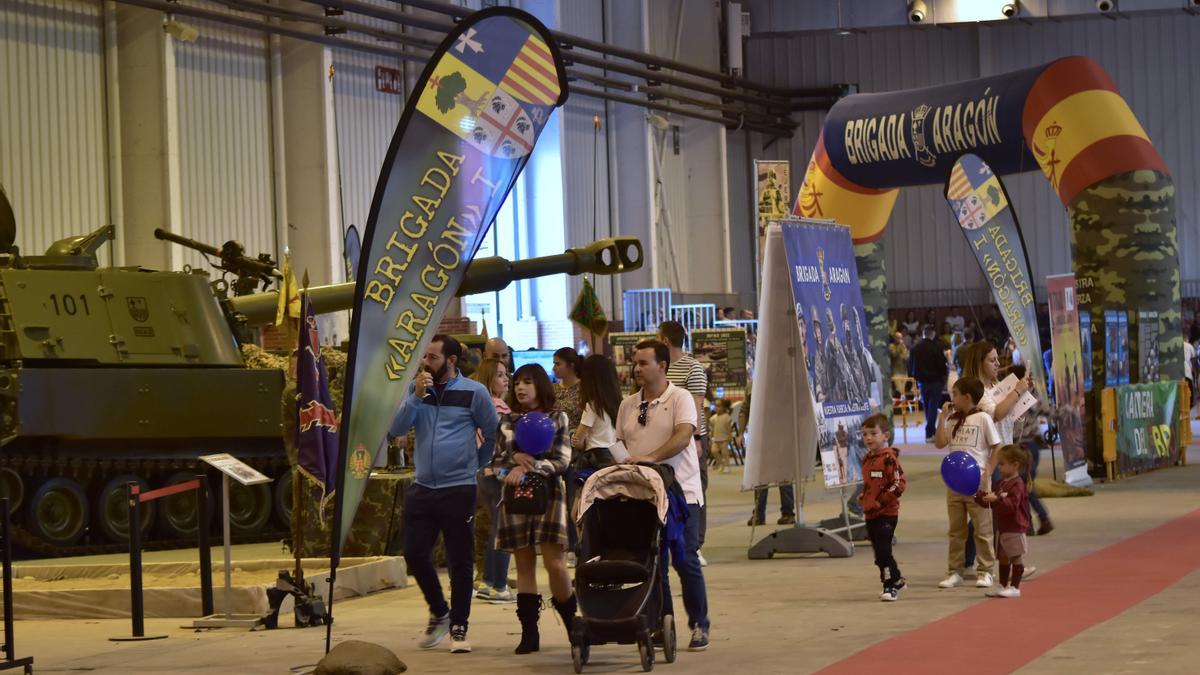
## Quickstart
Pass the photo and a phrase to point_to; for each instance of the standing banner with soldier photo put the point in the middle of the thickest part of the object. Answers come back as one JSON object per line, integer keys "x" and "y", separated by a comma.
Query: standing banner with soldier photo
{"x": 984, "y": 212}
{"x": 1067, "y": 366}
{"x": 1148, "y": 358}
{"x": 844, "y": 378}
{"x": 772, "y": 199}
{"x": 466, "y": 133}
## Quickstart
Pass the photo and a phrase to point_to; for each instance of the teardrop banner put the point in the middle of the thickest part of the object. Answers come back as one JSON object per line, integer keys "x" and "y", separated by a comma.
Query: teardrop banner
{"x": 984, "y": 212}
{"x": 468, "y": 129}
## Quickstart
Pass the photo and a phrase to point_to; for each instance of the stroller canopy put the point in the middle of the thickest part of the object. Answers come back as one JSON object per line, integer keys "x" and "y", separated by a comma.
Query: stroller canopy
{"x": 633, "y": 481}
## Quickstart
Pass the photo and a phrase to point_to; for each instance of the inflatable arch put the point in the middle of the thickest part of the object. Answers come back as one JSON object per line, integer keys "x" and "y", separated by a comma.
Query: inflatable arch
{"x": 1065, "y": 118}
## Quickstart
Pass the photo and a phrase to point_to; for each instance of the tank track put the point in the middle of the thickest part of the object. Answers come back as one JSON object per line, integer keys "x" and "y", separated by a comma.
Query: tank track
{"x": 91, "y": 472}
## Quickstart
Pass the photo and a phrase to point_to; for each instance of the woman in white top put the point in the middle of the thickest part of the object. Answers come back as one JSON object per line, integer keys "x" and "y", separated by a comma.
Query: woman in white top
{"x": 599, "y": 398}
{"x": 979, "y": 359}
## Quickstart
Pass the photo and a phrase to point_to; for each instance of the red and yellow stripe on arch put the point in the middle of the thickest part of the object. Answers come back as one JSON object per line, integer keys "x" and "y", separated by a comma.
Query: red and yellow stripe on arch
{"x": 1081, "y": 131}
{"x": 827, "y": 194}
{"x": 1074, "y": 122}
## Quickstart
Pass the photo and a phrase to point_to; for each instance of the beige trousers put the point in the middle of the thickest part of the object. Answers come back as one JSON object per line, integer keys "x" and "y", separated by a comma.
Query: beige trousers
{"x": 960, "y": 509}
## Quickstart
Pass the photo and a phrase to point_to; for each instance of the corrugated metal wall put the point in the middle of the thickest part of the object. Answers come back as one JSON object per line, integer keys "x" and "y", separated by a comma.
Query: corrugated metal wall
{"x": 52, "y": 119}
{"x": 225, "y": 160}
{"x": 1149, "y": 57}
{"x": 585, "y": 156}
{"x": 366, "y": 120}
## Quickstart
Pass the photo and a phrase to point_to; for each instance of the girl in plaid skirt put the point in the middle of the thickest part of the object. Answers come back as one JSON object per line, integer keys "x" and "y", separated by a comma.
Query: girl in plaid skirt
{"x": 524, "y": 534}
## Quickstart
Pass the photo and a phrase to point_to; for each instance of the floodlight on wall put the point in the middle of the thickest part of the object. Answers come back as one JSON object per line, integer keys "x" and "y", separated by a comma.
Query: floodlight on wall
{"x": 1105, "y": 5}
{"x": 181, "y": 31}
{"x": 1010, "y": 9}
{"x": 917, "y": 11}
{"x": 658, "y": 121}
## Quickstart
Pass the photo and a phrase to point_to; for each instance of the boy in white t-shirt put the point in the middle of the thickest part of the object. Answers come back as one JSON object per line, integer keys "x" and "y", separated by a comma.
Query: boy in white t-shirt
{"x": 963, "y": 426}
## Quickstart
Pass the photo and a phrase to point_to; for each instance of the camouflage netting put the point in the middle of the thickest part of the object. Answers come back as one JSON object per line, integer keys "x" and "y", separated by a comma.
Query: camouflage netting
{"x": 1125, "y": 248}
{"x": 377, "y": 525}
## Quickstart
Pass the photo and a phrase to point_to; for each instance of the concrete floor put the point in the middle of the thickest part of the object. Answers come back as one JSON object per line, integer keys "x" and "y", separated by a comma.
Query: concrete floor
{"x": 772, "y": 616}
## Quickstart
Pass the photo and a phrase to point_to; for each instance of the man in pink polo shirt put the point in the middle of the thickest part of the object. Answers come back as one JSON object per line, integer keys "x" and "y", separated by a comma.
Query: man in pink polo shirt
{"x": 656, "y": 425}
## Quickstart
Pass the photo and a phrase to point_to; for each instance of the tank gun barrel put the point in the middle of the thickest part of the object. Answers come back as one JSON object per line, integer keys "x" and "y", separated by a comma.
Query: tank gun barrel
{"x": 232, "y": 254}
{"x": 606, "y": 256}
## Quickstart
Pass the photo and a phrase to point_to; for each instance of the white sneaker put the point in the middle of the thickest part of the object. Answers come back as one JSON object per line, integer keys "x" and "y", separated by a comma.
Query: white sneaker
{"x": 1030, "y": 570}
{"x": 993, "y": 592}
{"x": 503, "y": 597}
{"x": 1008, "y": 592}
{"x": 983, "y": 580}
{"x": 951, "y": 581}
{"x": 703, "y": 562}
{"x": 458, "y": 640}
{"x": 437, "y": 629}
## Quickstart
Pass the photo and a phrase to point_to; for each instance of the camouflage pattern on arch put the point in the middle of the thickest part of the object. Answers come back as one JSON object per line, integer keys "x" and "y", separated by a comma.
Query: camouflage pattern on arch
{"x": 1125, "y": 248}
{"x": 872, "y": 278}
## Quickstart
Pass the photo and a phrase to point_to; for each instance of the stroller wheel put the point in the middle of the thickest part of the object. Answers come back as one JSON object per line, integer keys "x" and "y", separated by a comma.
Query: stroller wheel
{"x": 670, "y": 646}
{"x": 646, "y": 651}
{"x": 579, "y": 656}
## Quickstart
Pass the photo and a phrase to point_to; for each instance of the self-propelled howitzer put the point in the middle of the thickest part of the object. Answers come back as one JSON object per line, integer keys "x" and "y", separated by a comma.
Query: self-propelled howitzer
{"x": 111, "y": 375}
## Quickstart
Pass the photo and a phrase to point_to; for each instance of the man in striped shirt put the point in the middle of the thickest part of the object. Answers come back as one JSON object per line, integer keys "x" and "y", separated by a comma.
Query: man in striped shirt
{"x": 686, "y": 372}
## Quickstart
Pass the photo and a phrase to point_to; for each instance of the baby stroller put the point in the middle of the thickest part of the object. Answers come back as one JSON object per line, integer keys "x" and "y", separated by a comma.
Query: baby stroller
{"x": 622, "y": 510}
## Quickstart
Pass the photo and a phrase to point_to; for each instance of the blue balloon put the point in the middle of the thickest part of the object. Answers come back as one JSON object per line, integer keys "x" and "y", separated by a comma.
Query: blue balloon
{"x": 534, "y": 433}
{"x": 960, "y": 471}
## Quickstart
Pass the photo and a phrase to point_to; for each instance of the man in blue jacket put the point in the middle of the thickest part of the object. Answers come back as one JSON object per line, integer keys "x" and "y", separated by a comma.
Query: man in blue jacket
{"x": 445, "y": 409}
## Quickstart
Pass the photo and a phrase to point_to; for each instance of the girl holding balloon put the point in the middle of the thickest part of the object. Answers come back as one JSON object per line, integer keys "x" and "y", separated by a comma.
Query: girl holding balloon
{"x": 532, "y": 452}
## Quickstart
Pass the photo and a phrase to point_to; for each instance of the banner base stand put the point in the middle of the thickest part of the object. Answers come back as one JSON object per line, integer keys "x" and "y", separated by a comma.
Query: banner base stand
{"x": 801, "y": 540}
{"x": 858, "y": 527}
{"x": 228, "y": 621}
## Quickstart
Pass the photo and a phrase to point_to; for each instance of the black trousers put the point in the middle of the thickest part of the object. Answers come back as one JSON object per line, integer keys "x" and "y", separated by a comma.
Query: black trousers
{"x": 880, "y": 530}
{"x": 449, "y": 511}
{"x": 704, "y": 443}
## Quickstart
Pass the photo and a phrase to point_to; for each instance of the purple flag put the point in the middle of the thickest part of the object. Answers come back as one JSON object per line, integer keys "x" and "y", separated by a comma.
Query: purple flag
{"x": 317, "y": 430}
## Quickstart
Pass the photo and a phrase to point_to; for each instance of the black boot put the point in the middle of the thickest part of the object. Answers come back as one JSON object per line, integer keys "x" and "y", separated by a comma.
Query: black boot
{"x": 529, "y": 606}
{"x": 566, "y": 610}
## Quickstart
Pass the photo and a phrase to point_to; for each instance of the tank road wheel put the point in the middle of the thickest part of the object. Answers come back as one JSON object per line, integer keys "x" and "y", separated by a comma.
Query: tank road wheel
{"x": 112, "y": 508}
{"x": 249, "y": 507}
{"x": 178, "y": 511}
{"x": 283, "y": 499}
{"x": 13, "y": 487}
{"x": 58, "y": 512}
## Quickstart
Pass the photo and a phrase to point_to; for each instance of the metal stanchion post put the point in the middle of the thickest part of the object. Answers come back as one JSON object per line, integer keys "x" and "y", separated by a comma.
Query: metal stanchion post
{"x": 135, "y": 564}
{"x": 10, "y": 661}
{"x": 137, "y": 609}
{"x": 203, "y": 527}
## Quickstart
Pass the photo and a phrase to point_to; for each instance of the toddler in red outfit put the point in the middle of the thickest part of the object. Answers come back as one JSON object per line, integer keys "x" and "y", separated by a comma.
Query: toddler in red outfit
{"x": 883, "y": 483}
{"x": 1009, "y": 502}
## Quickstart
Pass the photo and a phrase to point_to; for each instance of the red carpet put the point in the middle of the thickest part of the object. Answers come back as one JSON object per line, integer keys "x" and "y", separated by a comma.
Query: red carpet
{"x": 1057, "y": 606}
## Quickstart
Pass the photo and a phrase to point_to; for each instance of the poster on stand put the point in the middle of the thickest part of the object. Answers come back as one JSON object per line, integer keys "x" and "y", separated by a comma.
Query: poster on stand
{"x": 772, "y": 199}
{"x": 1112, "y": 348}
{"x": 1147, "y": 347}
{"x": 1123, "y": 347}
{"x": 833, "y": 328}
{"x": 621, "y": 346}
{"x": 1067, "y": 364}
{"x": 722, "y": 353}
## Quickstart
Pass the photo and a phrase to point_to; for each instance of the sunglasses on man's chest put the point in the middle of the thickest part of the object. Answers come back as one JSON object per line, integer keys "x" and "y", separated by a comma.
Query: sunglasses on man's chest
{"x": 643, "y": 409}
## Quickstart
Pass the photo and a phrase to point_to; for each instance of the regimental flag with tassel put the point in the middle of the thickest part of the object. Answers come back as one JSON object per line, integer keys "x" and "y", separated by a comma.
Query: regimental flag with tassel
{"x": 289, "y": 294}
{"x": 587, "y": 311}
{"x": 317, "y": 421}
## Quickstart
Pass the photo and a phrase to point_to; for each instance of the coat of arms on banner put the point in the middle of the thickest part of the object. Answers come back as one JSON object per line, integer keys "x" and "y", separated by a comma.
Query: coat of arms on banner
{"x": 975, "y": 194}
{"x": 500, "y": 118}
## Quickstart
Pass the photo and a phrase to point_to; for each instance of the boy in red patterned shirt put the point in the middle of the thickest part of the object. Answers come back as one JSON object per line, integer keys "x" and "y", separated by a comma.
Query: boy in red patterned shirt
{"x": 883, "y": 483}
